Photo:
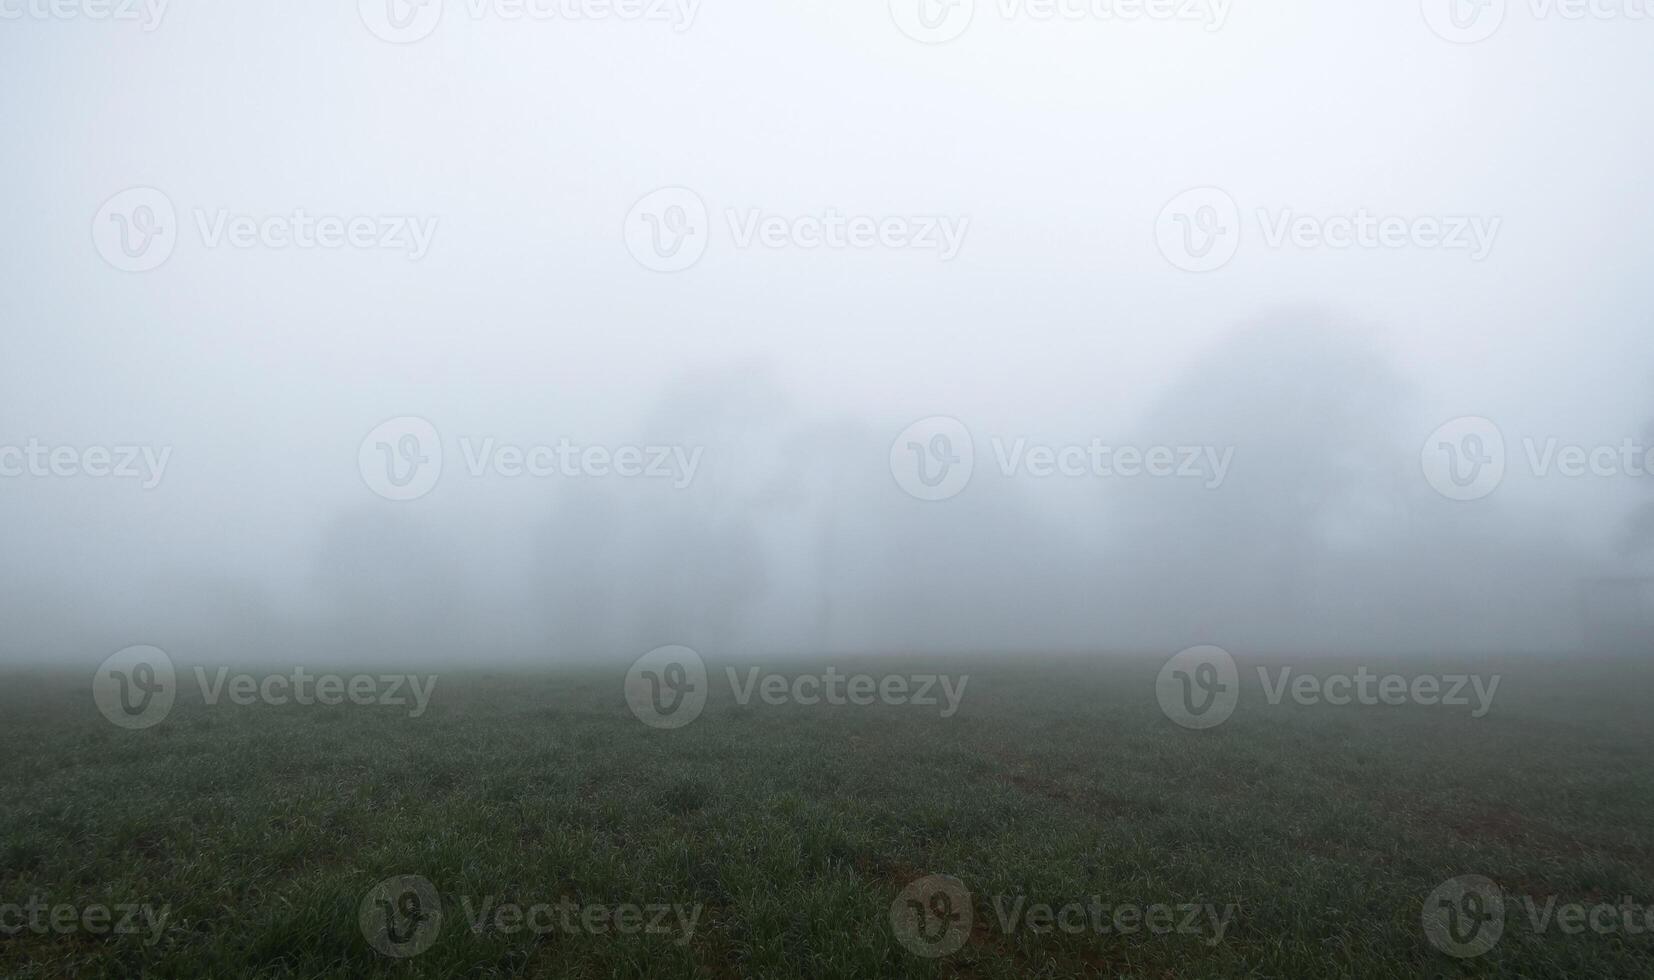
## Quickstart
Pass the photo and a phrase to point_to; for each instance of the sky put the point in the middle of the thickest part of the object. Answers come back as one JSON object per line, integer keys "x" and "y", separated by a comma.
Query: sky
{"x": 580, "y": 224}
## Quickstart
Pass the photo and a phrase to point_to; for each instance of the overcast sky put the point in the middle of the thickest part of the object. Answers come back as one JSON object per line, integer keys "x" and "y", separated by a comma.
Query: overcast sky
{"x": 501, "y": 293}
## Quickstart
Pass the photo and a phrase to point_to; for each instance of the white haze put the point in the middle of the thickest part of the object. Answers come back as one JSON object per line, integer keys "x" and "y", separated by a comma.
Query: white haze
{"x": 1059, "y": 321}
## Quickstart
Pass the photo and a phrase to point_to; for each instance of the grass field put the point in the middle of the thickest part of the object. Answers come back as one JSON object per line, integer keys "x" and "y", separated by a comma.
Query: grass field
{"x": 774, "y": 840}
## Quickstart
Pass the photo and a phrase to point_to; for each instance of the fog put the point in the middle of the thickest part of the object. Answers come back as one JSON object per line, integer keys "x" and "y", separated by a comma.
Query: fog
{"x": 769, "y": 400}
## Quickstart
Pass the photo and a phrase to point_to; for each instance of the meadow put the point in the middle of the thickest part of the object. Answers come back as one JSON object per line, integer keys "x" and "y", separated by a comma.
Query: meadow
{"x": 531, "y": 826}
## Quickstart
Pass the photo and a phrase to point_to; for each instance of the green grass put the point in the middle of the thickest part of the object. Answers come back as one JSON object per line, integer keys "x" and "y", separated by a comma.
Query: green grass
{"x": 793, "y": 829}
